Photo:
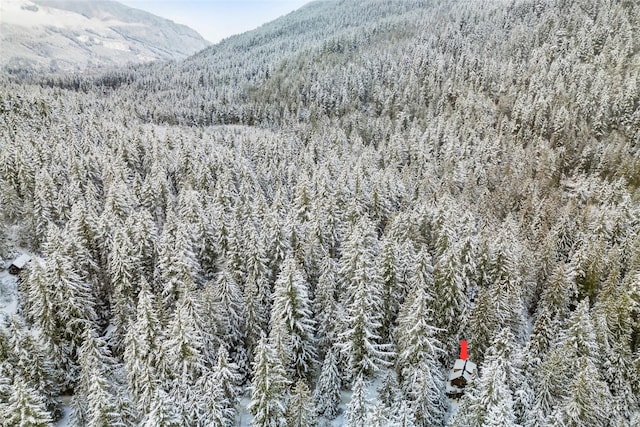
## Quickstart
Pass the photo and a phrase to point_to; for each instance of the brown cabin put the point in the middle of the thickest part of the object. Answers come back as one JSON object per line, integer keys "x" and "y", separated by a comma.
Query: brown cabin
{"x": 18, "y": 264}
{"x": 462, "y": 373}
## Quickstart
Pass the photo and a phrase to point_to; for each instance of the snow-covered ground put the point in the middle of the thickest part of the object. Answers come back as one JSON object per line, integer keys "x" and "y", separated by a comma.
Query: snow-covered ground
{"x": 66, "y": 417}
{"x": 8, "y": 293}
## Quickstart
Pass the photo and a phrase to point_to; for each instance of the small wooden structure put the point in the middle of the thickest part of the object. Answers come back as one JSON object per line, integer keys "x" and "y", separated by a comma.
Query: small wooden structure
{"x": 462, "y": 373}
{"x": 18, "y": 264}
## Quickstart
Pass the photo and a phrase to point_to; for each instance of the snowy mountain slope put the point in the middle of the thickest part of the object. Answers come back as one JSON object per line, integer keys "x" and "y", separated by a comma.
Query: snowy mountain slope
{"x": 223, "y": 83}
{"x": 76, "y": 35}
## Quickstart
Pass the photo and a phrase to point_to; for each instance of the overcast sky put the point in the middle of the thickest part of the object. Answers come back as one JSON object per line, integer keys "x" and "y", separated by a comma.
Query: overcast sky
{"x": 217, "y": 19}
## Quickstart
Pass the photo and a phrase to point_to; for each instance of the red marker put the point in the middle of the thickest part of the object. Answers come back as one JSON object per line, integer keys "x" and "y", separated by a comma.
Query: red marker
{"x": 464, "y": 355}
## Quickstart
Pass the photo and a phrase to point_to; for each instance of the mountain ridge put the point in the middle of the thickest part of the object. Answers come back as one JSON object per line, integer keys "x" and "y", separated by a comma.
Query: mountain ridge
{"x": 49, "y": 35}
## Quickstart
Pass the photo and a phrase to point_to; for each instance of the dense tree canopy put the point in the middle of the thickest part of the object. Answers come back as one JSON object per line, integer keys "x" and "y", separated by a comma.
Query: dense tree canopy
{"x": 338, "y": 196}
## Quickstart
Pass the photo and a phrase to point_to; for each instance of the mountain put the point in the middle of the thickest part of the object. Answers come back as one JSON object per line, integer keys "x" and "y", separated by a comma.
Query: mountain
{"x": 68, "y": 35}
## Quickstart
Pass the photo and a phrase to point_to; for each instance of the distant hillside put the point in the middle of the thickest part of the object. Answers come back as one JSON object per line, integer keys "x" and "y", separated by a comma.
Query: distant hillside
{"x": 62, "y": 35}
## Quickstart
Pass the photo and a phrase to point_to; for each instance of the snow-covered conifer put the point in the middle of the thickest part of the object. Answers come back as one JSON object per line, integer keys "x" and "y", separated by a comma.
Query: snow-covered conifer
{"x": 227, "y": 314}
{"x": 143, "y": 355}
{"x": 26, "y": 407}
{"x": 301, "y": 410}
{"x": 360, "y": 342}
{"x": 292, "y": 325}
{"x": 269, "y": 387}
{"x": 327, "y": 391}
{"x": 162, "y": 412}
{"x": 358, "y": 407}
{"x": 185, "y": 345}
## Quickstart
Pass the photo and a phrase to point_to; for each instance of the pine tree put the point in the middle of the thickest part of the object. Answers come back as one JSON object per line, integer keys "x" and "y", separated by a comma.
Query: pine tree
{"x": 143, "y": 355}
{"x": 327, "y": 392}
{"x": 300, "y": 411}
{"x": 416, "y": 339}
{"x": 269, "y": 385}
{"x": 360, "y": 341}
{"x": 358, "y": 407}
{"x": 226, "y": 377}
{"x": 29, "y": 360}
{"x": 185, "y": 346}
{"x": 588, "y": 401}
{"x": 226, "y": 304}
{"x": 292, "y": 327}
{"x": 257, "y": 291}
{"x": 25, "y": 407}
{"x": 162, "y": 413}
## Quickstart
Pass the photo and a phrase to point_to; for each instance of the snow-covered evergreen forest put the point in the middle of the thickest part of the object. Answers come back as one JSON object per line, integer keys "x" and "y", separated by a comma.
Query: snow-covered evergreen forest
{"x": 296, "y": 227}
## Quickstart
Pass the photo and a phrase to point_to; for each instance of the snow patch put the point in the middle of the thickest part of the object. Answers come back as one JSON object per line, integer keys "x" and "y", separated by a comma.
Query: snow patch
{"x": 8, "y": 295}
{"x": 65, "y": 421}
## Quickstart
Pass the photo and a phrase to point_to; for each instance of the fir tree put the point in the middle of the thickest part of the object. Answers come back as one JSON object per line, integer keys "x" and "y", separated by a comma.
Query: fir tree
{"x": 226, "y": 377}
{"x": 64, "y": 307}
{"x": 269, "y": 386}
{"x": 358, "y": 407}
{"x": 325, "y": 306}
{"x": 424, "y": 387}
{"x": 292, "y": 326}
{"x": 416, "y": 339}
{"x": 185, "y": 346}
{"x": 25, "y": 407}
{"x": 102, "y": 406}
{"x": 300, "y": 411}
{"x": 588, "y": 400}
{"x": 450, "y": 291}
{"x": 143, "y": 355}
{"x": 257, "y": 291}
{"x": 327, "y": 392}
{"x": 389, "y": 395}
{"x": 392, "y": 288}
{"x": 211, "y": 406}
{"x": 360, "y": 341}
{"x": 29, "y": 360}
{"x": 492, "y": 400}
{"x": 162, "y": 412}
{"x": 123, "y": 262}
{"x": 177, "y": 268}
{"x": 227, "y": 308}
{"x": 94, "y": 401}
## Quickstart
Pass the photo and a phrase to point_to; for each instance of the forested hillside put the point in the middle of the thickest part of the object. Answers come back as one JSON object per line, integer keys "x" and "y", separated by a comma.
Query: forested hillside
{"x": 320, "y": 209}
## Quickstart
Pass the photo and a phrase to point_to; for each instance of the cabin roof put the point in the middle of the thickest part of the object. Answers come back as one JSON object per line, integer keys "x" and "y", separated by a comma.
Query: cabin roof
{"x": 21, "y": 261}
{"x": 464, "y": 364}
{"x": 462, "y": 368}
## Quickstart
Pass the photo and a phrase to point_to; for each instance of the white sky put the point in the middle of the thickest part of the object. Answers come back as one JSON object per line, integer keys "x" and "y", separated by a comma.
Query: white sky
{"x": 217, "y": 19}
